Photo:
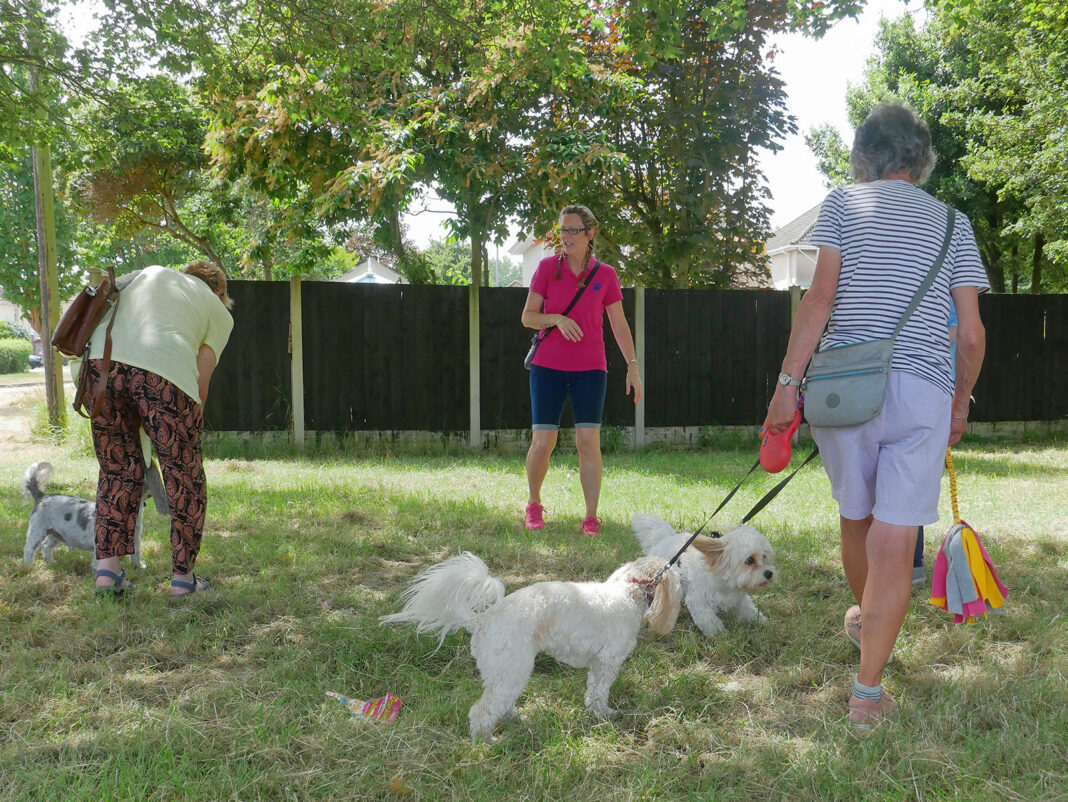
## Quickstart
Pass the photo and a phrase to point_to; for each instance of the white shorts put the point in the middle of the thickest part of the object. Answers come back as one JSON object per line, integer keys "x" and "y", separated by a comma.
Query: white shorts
{"x": 891, "y": 466}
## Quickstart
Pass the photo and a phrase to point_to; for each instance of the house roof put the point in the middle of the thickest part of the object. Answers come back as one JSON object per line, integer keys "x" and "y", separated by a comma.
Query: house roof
{"x": 797, "y": 232}
{"x": 521, "y": 245}
{"x": 367, "y": 270}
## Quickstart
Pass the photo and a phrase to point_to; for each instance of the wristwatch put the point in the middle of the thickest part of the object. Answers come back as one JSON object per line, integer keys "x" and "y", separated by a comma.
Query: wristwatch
{"x": 786, "y": 380}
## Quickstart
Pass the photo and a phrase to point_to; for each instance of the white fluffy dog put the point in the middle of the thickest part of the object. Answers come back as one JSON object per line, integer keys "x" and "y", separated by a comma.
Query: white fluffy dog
{"x": 717, "y": 574}
{"x": 592, "y": 625}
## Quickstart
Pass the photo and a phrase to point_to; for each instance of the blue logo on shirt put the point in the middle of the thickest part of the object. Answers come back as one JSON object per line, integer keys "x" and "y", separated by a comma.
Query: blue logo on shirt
{"x": 597, "y": 286}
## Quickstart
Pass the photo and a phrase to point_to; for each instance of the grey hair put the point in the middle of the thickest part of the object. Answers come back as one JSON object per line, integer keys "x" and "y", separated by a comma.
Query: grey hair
{"x": 892, "y": 139}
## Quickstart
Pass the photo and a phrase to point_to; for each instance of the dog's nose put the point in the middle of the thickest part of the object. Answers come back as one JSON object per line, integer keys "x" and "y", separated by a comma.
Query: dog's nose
{"x": 769, "y": 574}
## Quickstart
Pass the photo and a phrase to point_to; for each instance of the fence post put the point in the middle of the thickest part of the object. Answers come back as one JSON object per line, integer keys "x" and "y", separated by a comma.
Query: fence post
{"x": 473, "y": 358}
{"x": 296, "y": 362}
{"x": 639, "y": 353}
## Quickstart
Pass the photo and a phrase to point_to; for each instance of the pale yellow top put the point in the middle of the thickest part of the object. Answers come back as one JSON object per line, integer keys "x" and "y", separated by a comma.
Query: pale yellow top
{"x": 163, "y": 319}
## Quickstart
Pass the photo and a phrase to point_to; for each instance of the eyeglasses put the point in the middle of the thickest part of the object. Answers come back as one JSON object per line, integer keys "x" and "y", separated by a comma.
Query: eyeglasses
{"x": 572, "y": 231}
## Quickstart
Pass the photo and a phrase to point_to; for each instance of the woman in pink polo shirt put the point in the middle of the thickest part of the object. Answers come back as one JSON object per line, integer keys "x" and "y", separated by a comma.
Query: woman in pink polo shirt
{"x": 571, "y": 358}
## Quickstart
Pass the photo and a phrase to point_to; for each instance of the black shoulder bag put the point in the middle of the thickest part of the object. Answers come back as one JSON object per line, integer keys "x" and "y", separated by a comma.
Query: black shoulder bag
{"x": 535, "y": 341}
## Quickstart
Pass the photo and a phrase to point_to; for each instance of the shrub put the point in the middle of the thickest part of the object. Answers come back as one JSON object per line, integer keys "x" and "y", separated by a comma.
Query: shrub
{"x": 14, "y": 355}
{"x": 13, "y": 331}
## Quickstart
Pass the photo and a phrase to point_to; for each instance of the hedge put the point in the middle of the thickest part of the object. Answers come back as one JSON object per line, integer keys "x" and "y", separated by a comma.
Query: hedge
{"x": 14, "y": 356}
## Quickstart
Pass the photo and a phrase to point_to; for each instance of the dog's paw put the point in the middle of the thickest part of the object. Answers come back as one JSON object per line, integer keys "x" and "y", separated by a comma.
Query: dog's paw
{"x": 710, "y": 627}
{"x": 604, "y": 711}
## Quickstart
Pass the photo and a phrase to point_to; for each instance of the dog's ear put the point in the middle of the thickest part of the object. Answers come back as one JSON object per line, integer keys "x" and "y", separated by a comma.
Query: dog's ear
{"x": 667, "y": 599}
{"x": 710, "y": 548}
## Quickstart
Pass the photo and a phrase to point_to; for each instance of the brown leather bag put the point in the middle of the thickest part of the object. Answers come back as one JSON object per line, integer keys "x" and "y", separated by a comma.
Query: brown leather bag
{"x": 72, "y": 335}
{"x": 83, "y": 315}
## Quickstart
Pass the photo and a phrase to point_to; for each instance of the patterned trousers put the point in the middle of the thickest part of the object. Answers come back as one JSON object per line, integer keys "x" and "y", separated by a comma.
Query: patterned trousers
{"x": 137, "y": 398}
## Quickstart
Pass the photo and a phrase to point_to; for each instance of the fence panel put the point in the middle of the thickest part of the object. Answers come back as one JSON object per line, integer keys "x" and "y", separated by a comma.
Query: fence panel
{"x": 1023, "y": 375}
{"x": 503, "y": 342}
{"x": 251, "y": 387}
{"x": 712, "y": 356}
{"x": 1055, "y": 365}
{"x": 385, "y": 357}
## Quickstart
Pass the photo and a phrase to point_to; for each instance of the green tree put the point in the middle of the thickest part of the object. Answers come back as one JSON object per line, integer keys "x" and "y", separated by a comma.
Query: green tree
{"x": 19, "y": 269}
{"x": 1013, "y": 110}
{"x": 144, "y": 160}
{"x": 941, "y": 71}
{"x": 29, "y": 42}
{"x": 660, "y": 138}
{"x": 656, "y": 109}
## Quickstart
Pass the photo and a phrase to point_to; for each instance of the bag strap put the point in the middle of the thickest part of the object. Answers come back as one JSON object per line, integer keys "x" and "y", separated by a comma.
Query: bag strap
{"x": 951, "y": 220}
{"x": 574, "y": 300}
{"x": 102, "y": 379}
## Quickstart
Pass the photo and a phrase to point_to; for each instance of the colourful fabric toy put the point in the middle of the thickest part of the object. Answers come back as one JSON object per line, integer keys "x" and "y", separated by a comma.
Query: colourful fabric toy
{"x": 384, "y": 709}
{"x": 964, "y": 581}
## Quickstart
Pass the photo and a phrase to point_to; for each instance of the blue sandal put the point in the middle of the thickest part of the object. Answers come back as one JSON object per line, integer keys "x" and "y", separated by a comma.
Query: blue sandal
{"x": 121, "y": 587}
{"x": 199, "y": 583}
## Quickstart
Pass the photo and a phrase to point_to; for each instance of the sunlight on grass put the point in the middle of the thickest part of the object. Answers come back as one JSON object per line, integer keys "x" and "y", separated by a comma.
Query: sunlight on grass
{"x": 223, "y": 696}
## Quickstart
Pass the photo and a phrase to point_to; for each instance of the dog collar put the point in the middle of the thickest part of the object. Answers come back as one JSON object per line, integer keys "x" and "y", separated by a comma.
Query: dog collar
{"x": 649, "y": 586}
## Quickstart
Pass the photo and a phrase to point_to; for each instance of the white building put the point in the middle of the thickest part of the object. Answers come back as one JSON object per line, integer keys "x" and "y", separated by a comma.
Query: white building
{"x": 792, "y": 258}
{"x": 532, "y": 250}
{"x": 9, "y": 313}
{"x": 372, "y": 271}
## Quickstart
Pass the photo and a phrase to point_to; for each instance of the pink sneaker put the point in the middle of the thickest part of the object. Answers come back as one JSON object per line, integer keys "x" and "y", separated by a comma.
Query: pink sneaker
{"x": 591, "y": 526}
{"x": 534, "y": 516}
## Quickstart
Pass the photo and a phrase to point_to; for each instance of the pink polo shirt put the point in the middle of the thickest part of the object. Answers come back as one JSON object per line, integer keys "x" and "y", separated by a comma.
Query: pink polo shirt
{"x": 588, "y": 353}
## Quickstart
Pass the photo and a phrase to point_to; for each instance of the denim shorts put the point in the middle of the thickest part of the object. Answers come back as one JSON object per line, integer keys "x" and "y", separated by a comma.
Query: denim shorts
{"x": 891, "y": 466}
{"x": 549, "y": 389}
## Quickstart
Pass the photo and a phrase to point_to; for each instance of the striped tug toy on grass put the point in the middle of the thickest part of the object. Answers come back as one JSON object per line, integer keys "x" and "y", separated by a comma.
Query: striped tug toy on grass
{"x": 385, "y": 708}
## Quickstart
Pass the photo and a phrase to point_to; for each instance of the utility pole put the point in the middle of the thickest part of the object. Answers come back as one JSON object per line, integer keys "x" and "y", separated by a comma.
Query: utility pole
{"x": 46, "y": 262}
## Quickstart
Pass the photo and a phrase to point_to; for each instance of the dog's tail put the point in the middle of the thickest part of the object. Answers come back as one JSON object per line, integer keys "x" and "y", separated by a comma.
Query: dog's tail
{"x": 650, "y": 530}
{"x": 34, "y": 480}
{"x": 445, "y": 597}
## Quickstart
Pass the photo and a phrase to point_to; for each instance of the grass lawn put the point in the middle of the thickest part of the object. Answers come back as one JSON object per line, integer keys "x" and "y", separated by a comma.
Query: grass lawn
{"x": 222, "y": 696}
{"x": 24, "y": 378}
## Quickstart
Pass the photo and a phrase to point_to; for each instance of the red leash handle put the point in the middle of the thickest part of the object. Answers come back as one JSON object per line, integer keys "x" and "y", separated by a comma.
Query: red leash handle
{"x": 776, "y": 449}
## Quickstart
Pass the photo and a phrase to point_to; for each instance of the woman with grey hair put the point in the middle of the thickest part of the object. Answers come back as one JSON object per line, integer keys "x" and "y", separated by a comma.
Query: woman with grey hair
{"x": 878, "y": 240}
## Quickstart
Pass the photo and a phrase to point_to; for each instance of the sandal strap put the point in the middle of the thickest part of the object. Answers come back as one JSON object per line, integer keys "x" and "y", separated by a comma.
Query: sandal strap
{"x": 192, "y": 587}
{"x": 119, "y": 578}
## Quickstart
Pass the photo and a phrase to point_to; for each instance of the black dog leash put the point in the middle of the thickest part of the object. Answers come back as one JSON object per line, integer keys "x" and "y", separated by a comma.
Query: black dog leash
{"x": 756, "y": 508}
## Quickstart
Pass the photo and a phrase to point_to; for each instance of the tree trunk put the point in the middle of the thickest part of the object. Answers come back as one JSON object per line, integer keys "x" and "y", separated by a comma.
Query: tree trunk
{"x": 46, "y": 262}
{"x": 995, "y": 271}
{"x": 268, "y": 267}
{"x": 398, "y": 237}
{"x": 1036, "y": 264}
{"x": 682, "y": 273}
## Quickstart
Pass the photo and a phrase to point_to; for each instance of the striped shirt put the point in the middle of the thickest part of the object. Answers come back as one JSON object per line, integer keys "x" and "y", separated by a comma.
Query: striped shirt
{"x": 890, "y": 233}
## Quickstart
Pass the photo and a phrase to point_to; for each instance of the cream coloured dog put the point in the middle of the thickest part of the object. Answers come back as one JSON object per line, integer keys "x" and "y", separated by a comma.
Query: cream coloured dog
{"x": 591, "y": 625}
{"x": 717, "y": 574}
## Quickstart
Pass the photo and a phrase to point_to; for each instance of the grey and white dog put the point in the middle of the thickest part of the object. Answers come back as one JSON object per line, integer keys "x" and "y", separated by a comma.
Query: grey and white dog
{"x": 58, "y": 518}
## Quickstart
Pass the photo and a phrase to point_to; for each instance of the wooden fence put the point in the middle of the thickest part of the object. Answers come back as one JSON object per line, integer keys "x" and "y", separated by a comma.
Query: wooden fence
{"x": 396, "y": 357}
